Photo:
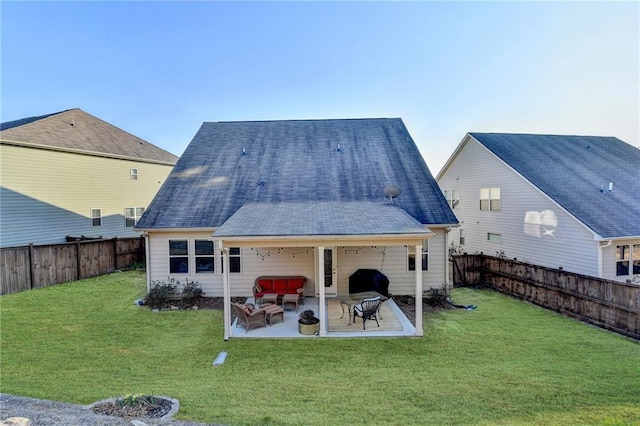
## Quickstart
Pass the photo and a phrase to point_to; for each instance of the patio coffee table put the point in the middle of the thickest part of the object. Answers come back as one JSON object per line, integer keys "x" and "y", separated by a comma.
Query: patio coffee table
{"x": 290, "y": 298}
{"x": 350, "y": 300}
{"x": 270, "y": 298}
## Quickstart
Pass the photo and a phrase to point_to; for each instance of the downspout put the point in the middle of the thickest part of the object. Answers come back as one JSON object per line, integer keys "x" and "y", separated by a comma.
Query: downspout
{"x": 322, "y": 311}
{"x": 419, "y": 331}
{"x": 447, "y": 283}
{"x": 147, "y": 260}
{"x": 226, "y": 292}
{"x": 601, "y": 257}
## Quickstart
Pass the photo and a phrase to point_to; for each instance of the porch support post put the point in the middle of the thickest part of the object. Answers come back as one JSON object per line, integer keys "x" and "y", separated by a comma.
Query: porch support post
{"x": 227, "y": 292}
{"x": 419, "y": 331}
{"x": 147, "y": 260}
{"x": 321, "y": 292}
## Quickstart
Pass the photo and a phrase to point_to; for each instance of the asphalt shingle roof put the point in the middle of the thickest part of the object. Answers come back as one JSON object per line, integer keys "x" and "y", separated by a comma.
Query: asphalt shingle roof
{"x": 229, "y": 164}
{"x": 575, "y": 172}
{"x": 319, "y": 218}
{"x": 75, "y": 129}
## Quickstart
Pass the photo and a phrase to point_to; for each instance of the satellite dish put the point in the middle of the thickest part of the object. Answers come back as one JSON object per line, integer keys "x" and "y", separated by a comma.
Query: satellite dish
{"x": 391, "y": 192}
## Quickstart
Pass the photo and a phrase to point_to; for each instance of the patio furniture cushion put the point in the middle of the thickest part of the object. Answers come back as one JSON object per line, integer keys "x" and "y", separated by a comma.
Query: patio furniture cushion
{"x": 279, "y": 284}
{"x": 254, "y": 318}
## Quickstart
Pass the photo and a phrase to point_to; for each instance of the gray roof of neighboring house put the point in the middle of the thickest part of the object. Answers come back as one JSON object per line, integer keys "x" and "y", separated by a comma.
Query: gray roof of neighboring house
{"x": 575, "y": 172}
{"x": 230, "y": 164}
{"x": 74, "y": 129}
{"x": 320, "y": 218}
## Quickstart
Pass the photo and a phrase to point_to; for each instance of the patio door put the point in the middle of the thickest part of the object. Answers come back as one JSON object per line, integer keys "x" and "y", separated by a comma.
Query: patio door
{"x": 330, "y": 271}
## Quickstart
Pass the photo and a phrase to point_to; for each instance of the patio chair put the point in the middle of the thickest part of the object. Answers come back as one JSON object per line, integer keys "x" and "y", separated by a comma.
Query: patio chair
{"x": 253, "y": 319}
{"x": 367, "y": 310}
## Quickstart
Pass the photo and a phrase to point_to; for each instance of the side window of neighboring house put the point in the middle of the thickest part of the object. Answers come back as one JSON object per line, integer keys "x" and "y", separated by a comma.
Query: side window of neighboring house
{"x": 96, "y": 217}
{"x": 179, "y": 256}
{"x": 490, "y": 199}
{"x": 204, "y": 256}
{"x": 453, "y": 197}
{"x": 235, "y": 260}
{"x": 622, "y": 260}
{"x": 494, "y": 238}
{"x": 462, "y": 237}
{"x": 133, "y": 174}
{"x": 636, "y": 259}
{"x": 132, "y": 215}
{"x": 411, "y": 256}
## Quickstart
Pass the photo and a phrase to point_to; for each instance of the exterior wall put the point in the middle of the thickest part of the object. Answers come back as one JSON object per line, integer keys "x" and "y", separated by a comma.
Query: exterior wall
{"x": 609, "y": 259}
{"x": 568, "y": 244}
{"x": 392, "y": 261}
{"x": 47, "y": 195}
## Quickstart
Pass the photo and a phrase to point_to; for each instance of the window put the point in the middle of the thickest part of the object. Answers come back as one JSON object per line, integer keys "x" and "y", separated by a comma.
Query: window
{"x": 96, "y": 217}
{"x": 204, "y": 256}
{"x": 636, "y": 259}
{"x": 622, "y": 260}
{"x": 234, "y": 260}
{"x": 490, "y": 199}
{"x": 132, "y": 215}
{"x": 494, "y": 238}
{"x": 453, "y": 197}
{"x": 411, "y": 256}
{"x": 462, "y": 237}
{"x": 178, "y": 256}
{"x": 133, "y": 174}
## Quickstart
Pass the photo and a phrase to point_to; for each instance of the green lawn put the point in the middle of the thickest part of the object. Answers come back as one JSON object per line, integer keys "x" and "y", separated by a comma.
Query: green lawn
{"x": 506, "y": 363}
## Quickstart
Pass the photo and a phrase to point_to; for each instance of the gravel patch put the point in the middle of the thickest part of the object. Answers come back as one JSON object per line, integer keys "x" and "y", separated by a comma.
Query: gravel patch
{"x": 51, "y": 413}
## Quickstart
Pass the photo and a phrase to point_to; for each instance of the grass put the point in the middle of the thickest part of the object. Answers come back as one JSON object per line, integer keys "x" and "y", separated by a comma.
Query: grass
{"x": 506, "y": 363}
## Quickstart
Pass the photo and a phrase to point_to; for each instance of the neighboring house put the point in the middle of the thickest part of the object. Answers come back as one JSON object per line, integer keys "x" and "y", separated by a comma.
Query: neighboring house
{"x": 299, "y": 198}
{"x": 70, "y": 173}
{"x": 557, "y": 201}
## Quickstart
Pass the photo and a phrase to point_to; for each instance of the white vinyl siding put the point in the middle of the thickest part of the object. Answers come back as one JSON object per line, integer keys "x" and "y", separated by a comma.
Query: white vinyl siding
{"x": 553, "y": 239}
{"x": 47, "y": 195}
{"x": 256, "y": 261}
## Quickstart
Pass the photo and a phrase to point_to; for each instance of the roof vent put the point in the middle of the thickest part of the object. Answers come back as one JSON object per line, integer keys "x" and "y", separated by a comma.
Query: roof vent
{"x": 610, "y": 186}
{"x": 391, "y": 192}
{"x": 244, "y": 151}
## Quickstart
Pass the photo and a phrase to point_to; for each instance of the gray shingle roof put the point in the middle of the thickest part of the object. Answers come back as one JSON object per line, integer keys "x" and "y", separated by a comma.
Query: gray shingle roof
{"x": 319, "y": 218}
{"x": 575, "y": 172}
{"x": 75, "y": 129}
{"x": 229, "y": 164}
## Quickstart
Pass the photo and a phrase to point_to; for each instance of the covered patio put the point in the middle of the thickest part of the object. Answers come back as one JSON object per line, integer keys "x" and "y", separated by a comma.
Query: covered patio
{"x": 322, "y": 227}
{"x": 393, "y": 323}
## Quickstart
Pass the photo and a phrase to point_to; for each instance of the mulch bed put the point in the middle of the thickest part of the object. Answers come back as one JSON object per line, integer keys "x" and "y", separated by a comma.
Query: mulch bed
{"x": 154, "y": 411}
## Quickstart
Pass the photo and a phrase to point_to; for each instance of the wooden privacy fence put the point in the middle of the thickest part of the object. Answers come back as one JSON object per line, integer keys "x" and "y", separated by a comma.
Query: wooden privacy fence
{"x": 608, "y": 304}
{"x": 36, "y": 266}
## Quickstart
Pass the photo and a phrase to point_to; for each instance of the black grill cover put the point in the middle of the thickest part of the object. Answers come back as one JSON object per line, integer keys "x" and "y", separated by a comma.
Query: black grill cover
{"x": 369, "y": 280}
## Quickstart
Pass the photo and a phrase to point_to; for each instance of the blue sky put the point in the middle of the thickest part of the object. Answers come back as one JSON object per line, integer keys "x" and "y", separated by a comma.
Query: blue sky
{"x": 160, "y": 69}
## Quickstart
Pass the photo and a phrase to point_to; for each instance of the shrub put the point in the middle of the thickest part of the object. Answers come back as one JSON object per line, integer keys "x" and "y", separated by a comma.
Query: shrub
{"x": 137, "y": 400}
{"x": 437, "y": 297}
{"x": 191, "y": 292}
{"x": 160, "y": 294}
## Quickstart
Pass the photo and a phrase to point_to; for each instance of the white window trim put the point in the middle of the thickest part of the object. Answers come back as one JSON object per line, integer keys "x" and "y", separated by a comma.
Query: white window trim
{"x": 495, "y": 194}
{"x": 93, "y": 217}
{"x": 425, "y": 252}
{"x": 170, "y": 256}
{"x": 133, "y": 174}
{"x": 135, "y": 216}
{"x": 196, "y": 256}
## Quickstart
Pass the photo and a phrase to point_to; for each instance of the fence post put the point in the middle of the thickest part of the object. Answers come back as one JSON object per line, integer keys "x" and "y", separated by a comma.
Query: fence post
{"x": 115, "y": 253}
{"x": 31, "y": 266}
{"x": 78, "y": 260}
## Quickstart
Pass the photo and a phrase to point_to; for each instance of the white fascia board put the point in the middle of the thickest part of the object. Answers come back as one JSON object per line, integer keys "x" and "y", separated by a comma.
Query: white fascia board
{"x": 84, "y": 152}
{"x": 453, "y": 156}
{"x": 324, "y": 240}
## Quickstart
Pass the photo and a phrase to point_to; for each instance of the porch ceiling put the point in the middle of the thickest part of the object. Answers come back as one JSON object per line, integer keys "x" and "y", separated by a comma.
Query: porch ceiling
{"x": 320, "y": 220}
